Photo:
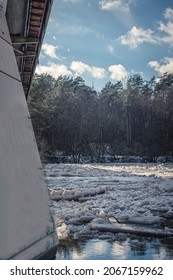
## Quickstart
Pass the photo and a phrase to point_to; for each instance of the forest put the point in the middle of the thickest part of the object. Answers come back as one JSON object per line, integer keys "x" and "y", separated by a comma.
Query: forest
{"x": 133, "y": 118}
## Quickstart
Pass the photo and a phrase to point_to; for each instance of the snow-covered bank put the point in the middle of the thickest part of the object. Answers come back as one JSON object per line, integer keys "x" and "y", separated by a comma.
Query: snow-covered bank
{"x": 87, "y": 197}
{"x": 61, "y": 157}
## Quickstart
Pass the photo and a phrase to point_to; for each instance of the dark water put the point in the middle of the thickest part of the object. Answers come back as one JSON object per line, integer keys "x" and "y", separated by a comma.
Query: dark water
{"x": 128, "y": 249}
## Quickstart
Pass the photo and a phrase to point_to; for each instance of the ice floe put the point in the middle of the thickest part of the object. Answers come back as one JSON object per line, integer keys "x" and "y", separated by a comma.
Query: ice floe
{"x": 89, "y": 197}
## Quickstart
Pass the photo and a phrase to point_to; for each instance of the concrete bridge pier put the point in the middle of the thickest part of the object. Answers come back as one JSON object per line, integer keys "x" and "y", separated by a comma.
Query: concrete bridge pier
{"x": 27, "y": 229}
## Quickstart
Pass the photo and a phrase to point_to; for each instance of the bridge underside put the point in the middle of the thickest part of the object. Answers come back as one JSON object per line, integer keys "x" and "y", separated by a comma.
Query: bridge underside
{"x": 27, "y": 228}
{"x": 27, "y": 22}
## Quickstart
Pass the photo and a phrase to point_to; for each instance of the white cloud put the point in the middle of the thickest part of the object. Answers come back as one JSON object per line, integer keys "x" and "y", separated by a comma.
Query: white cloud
{"x": 49, "y": 50}
{"x": 100, "y": 36}
{"x": 122, "y": 5}
{"x": 117, "y": 72}
{"x": 110, "y": 4}
{"x": 154, "y": 64}
{"x": 79, "y": 68}
{"x": 110, "y": 49}
{"x": 97, "y": 72}
{"x": 74, "y": 29}
{"x": 53, "y": 69}
{"x": 165, "y": 66}
{"x": 164, "y": 33}
{"x": 137, "y": 36}
{"x": 168, "y": 14}
{"x": 168, "y": 32}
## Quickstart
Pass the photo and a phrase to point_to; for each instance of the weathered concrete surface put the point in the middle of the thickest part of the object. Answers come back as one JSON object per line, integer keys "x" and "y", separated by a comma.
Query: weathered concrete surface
{"x": 27, "y": 228}
{"x": 3, "y": 5}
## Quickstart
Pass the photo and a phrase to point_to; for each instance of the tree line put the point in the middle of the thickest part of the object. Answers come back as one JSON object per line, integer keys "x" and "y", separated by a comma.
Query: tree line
{"x": 134, "y": 118}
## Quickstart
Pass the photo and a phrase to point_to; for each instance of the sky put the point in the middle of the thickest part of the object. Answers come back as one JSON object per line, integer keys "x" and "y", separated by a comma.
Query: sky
{"x": 108, "y": 40}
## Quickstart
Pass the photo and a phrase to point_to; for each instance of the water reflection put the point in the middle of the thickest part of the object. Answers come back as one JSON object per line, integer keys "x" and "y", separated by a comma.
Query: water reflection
{"x": 129, "y": 249}
{"x": 120, "y": 249}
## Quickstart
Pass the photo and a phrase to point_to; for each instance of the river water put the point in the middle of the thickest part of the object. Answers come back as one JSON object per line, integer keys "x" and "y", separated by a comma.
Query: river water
{"x": 88, "y": 197}
{"x": 129, "y": 249}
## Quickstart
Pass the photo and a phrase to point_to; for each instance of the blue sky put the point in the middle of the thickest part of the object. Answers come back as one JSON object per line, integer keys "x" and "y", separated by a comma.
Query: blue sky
{"x": 108, "y": 40}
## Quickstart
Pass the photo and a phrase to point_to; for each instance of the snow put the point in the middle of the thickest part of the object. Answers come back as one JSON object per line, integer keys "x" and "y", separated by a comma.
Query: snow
{"x": 88, "y": 197}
